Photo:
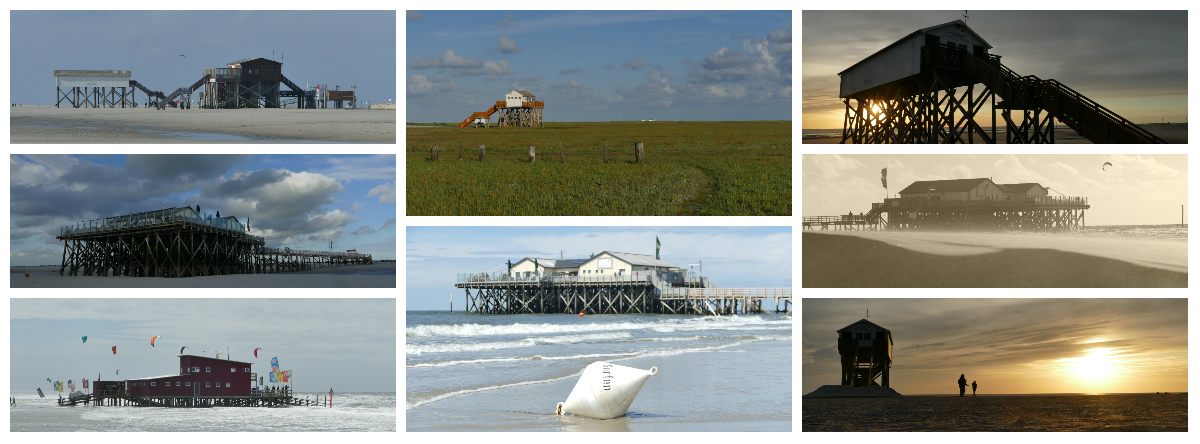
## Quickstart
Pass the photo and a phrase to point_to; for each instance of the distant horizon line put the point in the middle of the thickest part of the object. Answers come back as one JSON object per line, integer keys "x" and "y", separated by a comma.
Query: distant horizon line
{"x": 1052, "y": 394}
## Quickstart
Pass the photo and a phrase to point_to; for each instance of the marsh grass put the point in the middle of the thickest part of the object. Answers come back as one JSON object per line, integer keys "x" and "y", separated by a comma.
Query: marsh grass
{"x": 702, "y": 168}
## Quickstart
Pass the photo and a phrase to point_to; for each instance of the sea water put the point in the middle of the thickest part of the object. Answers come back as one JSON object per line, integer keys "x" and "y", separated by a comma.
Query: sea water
{"x": 351, "y": 412}
{"x": 507, "y": 372}
{"x": 999, "y": 413}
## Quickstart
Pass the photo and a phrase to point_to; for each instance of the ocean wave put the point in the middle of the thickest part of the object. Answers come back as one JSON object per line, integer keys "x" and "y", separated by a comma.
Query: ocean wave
{"x": 662, "y": 325}
{"x": 522, "y": 358}
{"x": 496, "y": 345}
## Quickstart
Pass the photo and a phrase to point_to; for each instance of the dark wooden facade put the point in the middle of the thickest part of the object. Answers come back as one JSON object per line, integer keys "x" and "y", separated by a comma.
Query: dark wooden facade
{"x": 866, "y": 351}
{"x": 198, "y": 376}
{"x": 259, "y": 69}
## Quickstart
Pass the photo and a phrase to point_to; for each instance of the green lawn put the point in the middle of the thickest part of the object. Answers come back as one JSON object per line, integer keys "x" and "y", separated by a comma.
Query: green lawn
{"x": 701, "y": 168}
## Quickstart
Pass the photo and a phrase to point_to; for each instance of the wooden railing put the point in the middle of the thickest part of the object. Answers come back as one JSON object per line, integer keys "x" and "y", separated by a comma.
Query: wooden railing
{"x": 1036, "y": 201}
{"x": 737, "y": 293}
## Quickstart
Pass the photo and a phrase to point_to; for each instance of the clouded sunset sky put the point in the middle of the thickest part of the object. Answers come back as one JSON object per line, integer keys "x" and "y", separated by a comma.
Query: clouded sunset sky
{"x": 1139, "y": 189}
{"x": 1011, "y": 346}
{"x": 298, "y": 201}
{"x": 601, "y": 65}
{"x": 1132, "y": 62}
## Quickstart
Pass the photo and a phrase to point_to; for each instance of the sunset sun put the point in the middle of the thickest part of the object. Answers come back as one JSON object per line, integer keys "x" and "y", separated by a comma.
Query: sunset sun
{"x": 1098, "y": 365}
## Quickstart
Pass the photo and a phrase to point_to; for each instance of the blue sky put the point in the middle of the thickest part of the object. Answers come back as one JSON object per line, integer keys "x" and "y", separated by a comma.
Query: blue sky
{"x": 298, "y": 201}
{"x": 601, "y": 65}
{"x": 354, "y": 349}
{"x": 326, "y": 47}
{"x": 733, "y": 256}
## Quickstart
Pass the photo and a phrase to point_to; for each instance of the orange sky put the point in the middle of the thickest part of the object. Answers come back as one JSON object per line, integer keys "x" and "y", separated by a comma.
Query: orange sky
{"x": 1011, "y": 346}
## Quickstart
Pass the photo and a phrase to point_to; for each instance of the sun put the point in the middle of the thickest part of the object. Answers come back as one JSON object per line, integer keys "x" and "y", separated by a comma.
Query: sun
{"x": 1098, "y": 365}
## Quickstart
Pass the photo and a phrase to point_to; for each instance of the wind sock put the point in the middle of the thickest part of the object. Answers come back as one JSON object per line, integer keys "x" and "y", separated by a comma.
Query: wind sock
{"x": 256, "y": 351}
{"x": 114, "y": 349}
{"x": 84, "y": 339}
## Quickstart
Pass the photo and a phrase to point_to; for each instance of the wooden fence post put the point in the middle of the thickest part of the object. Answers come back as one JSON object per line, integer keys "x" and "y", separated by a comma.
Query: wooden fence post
{"x": 561, "y": 157}
{"x": 605, "y": 152}
{"x": 532, "y": 155}
{"x": 639, "y": 152}
{"x": 433, "y": 154}
{"x": 481, "y": 153}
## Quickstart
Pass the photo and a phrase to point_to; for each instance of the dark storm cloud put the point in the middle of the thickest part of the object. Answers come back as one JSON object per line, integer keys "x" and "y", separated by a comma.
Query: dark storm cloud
{"x": 182, "y": 166}
{"x": 245, "y": 183}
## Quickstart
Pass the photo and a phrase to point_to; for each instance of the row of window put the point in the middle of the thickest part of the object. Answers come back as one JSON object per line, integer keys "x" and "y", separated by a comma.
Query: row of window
{"x": 209, "y": 369}
{"x": 261, "y": 70}
{"x": 188, "y": 384}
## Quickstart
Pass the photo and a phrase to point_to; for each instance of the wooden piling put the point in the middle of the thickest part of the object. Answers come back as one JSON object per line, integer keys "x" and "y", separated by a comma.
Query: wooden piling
{"x": 605, "y": 152}
{"x": 460, "y": 151}
{"x": 434, "y": 153}
{"x": 481, "y": 153}
{"x": 639, "y": 152}
{"x": 532, "y": 155}
{"x": 561, "y": 157}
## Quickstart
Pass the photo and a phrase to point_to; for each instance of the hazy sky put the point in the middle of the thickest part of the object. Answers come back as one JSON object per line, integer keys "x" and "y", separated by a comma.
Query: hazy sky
{"x": 733, "y": 256}
{"x": 1011, "y": 346}
{"x": 1139, "y": 189}
{"x": 1131, "y": 62}
{"x": 601, "y": 65}
{"x": 298, "y": 201}
{"x": 346, "y": 344}
{"x": 170, "y": 49}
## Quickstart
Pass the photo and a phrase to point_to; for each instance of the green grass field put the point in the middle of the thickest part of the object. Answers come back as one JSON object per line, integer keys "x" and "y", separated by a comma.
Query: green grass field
{"x": 691, "y": 168}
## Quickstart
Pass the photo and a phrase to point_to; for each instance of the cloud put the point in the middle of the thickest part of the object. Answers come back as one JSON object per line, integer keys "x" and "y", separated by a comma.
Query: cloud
{"x": 634, "y": 64}
{"x": 182, "y": 166}
{"x": 413, "y": 16}
{"x": 386, "y": 193}
{"x": 507, "y": 45}
{"x": 351, "y": 168}
{"x": 571, "y": 70}
{"x": 493, "y": 69}
{"x": 831, "y": 166}
{"x": 508, "y": 22}
{"x": 418, "y": 85}
{"x": 573, "y": 92}
{"x": 655, "y": 91}
{"x": 447, "y": 60}
{"x": 364, "y": 230}
{"x": 389, "y": 224}
{"x": 527, "y": 83}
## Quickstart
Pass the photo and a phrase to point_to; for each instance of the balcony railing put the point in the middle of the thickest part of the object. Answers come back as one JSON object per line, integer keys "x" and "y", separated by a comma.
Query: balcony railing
{"x": 1027, "y": 201}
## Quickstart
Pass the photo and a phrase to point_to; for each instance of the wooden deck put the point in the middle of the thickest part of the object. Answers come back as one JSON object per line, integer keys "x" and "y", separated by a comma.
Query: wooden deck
{"x": 123, "y": 399}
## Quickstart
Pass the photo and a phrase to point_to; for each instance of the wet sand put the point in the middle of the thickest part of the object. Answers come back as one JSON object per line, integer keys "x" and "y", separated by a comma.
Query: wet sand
{"x": 958, "y": 260}
{"x": 47, "y": 124}
{"x": 377, "y": 275}
{"x": 740, "y": 389}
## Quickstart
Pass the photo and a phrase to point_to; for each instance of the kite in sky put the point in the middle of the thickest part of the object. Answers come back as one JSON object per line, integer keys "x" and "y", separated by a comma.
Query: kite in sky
{"x": 1105, "y": 166}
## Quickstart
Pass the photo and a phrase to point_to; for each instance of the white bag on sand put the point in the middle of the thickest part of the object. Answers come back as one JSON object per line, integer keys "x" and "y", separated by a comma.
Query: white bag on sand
{"x": 605, "y": 390}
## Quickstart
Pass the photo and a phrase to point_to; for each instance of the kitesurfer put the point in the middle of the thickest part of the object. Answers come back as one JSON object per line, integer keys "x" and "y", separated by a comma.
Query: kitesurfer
{"x": 974, "y": 386}
{"x": 962, "y": 384}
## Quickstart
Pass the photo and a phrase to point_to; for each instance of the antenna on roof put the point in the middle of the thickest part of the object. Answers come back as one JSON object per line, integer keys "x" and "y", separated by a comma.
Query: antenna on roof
{"x": 965, "y": 15}
{"x": 868, "y": 313}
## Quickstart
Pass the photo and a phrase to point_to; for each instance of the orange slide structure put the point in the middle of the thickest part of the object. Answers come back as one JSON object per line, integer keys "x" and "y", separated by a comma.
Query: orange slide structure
{"x": 499, "y": 104}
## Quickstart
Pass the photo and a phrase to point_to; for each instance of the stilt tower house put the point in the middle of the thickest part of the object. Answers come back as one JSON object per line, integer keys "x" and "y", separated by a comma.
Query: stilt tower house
{"x": 866, "y": 351}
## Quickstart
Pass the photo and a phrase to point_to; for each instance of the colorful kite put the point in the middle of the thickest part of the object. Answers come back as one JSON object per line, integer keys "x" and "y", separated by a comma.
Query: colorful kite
{"x": 256, "y": 351}
{"x": 85, "y": 339}
{"x": 152, "y": 341}
{"x": 114, "y": 349}
{"x": 40, "y": 392}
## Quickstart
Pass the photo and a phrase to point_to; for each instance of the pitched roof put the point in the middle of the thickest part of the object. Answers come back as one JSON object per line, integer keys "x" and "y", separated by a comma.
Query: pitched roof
{"x": 943, "y": 186}
{"x": 864, "y": 321}
{"x": 920, "y": 31}
{"x": 524, "y": 93}
{"x": 640, "y": 259}
{"x": 252, "y": 58}
{"x": 555, "y": 263}
{"x": 1019, "y": 187}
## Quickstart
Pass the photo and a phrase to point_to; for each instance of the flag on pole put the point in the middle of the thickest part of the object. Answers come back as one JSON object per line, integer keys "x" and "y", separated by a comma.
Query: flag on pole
{"x": 883, "y": 178}
{"x": 657, "y": 247}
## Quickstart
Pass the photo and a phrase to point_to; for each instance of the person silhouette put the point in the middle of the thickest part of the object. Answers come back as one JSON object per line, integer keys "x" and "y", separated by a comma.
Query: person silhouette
{"x": 962, "y": 384}
{"x": 974, "y": 386}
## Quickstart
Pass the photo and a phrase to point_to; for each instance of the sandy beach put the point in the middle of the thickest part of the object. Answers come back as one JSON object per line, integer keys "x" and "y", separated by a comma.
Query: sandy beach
{"x": 47, "y": 124}
{"x": 1173, "y": 133}
{"x": 377, "y": 275}
{"x": 939, "y": 259}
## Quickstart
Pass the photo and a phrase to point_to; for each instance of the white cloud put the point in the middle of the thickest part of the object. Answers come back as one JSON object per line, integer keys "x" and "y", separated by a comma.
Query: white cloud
{"x": 493, "y": 69}
{"x": 831, "y": 166}
{"x": 418, "y": 85}
{"x": 386, "y": 193}
{"x": 634, "y": 64}
{"x": 447, "y": 60}
{"x": 507, "y": 45}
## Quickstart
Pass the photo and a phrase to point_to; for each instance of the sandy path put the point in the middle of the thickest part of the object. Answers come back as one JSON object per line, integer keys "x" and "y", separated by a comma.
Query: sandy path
{"x": 42, "y": 124}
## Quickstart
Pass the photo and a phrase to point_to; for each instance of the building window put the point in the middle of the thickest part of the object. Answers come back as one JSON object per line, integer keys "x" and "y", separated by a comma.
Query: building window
{"x": 189, "y": 384}
{"x": 233, "y": 370}
{"x": 208, "y": 384}
{"x": 196, "y": 369}
{"x": 246, "y": 370}
{"x": 207, "y": 369}
{"x": 152, "y": 384}
{"x": 177, "y": 383}
{"x": 227, "y": 384}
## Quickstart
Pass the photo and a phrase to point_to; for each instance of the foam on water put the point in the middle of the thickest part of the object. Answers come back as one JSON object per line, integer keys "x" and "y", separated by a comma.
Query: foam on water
{"x": 661, "y": 325}
{"x": 496, "y": 345}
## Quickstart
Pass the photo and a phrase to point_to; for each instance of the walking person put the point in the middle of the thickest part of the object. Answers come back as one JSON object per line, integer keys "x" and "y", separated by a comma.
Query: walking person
{"x": 962, "y": 385}
{"x": 974, "y": 386}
